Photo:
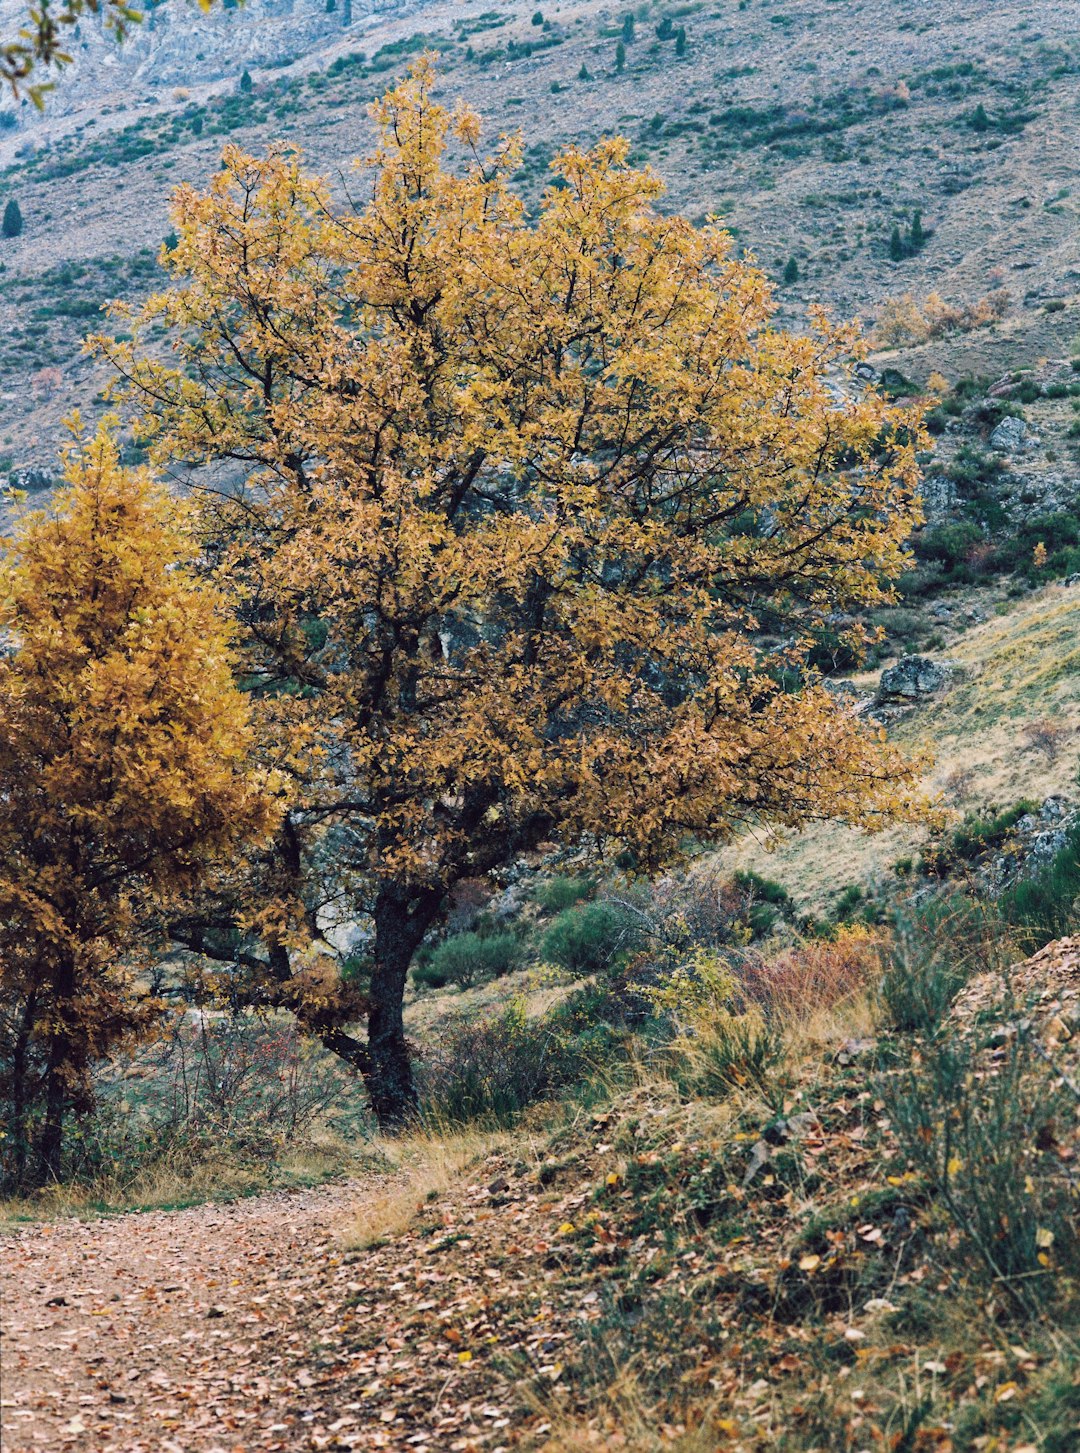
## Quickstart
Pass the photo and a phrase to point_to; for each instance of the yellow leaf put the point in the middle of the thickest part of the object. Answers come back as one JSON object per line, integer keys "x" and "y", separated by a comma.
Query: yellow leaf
{"x": 464, "y": 1357}
{"x": 810, "y": 1263}
{"x": 566, "y": 1229}
{"x": 1044, "y": 1237}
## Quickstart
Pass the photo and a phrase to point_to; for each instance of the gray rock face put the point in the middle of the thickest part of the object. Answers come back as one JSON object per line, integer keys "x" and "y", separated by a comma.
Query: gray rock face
{"x": 1009, "y": 436}
{"x": 939, "y": 496}
{"x": 31, "y": 479}
{"x": 914, "y": 678}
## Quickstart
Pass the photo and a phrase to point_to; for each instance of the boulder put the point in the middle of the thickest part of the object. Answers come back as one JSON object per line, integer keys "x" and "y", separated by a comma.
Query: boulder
{"x": 31, "y": 479}
{"x": 913, "y": 678}
{"x": 1009, "y": 436}
{"x": 940, "y": 497}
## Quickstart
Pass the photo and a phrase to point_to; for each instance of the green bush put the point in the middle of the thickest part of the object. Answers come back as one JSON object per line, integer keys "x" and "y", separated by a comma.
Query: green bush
{"x": 468, "y": 958}
{"x": 590, "y": 938}
{"x": 1045, "y": 906}
{"x": 933, "y": 952}
{"x": 490, "y": 1070}
{"x": 966, "y": 1114}
{"x": 12, "y": 224}
{"x": 558, "y": 894}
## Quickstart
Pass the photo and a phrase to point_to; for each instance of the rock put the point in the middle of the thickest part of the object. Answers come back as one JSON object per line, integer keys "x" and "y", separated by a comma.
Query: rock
{"x": 939, "y": 496}
{"x": 31, "y": 479}
{"x": 913, "y": 677}
{"x": 1009, "y": 436}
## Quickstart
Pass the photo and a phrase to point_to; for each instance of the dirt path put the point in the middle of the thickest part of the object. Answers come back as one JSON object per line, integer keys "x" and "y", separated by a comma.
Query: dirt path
{"x": 247, "y": 1326}
{"x": 172, "y": 1330}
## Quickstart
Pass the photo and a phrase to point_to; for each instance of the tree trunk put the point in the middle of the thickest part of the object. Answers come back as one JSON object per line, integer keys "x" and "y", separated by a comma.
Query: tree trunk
{"x": 402, "y": 917}
{"x": 20, "y": 1092}
{"x": 50, "y": 1143}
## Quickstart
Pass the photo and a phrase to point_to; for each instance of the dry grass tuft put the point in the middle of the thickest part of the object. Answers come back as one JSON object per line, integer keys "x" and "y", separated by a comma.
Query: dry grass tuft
{"x": 423, "y": 1168}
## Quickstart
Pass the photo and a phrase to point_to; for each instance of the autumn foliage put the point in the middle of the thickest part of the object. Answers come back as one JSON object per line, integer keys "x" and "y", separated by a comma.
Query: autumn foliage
{"x": 124, "y": 772}
{"x": 531, "y": 522}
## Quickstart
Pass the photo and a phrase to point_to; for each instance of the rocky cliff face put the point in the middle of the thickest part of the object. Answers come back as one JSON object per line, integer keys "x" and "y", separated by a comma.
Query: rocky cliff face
{"x": 177, "y": 45}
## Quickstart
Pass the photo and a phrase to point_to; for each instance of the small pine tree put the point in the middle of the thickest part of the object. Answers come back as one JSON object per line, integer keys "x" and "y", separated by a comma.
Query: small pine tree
{"x": 628, "y": 28}
{"x": 665, "y": 30}
{"x": 791, "y": 271}
{"x": 979, "y": 120}
{"x": 245, "y": 81}
{"x": 918, "y": 232}
{"x": 538, "y": 17}
{"x": 331, "y": 6}
{"x": 620, "y": 58}
{"x": 583, "y": 74}
{"x": 680, "y": 41}
{"x": 13, "y": 220}
{"x": 896, "y": 245}
{"x": 346, "y": 13}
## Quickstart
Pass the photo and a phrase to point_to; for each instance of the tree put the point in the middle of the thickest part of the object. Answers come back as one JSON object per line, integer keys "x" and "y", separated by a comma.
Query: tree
{"x": 526, "y": 501}
{"x": 124, "y": 773}
{"x": 918, "y": 233}
{"x": 897, "y": 250}
{"x": 979, "y": 120}
{"x": 628, "y": 28}
{"x": 245, "y": 81}
{"x": 791, "y": 271}
{"x": 13, "y": 219}
{"x": 680, "y": 41}
{"x": 666, "y": 29}
{"x": 538, "y": 17}
{"x": 583, "y": 74}
{"x": 620, "y": 58}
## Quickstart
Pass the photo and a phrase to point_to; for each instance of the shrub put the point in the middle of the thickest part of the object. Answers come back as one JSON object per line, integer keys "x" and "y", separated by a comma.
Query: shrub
{"x": 1044, "y": 907}
{"x": 492, "y": 1069}
{"x": 559, "y": 894}
{"x": 467, "y": 958}
{"x": 812, "y": 975}
{"x": 765, "y": 901}
{"x": 589, "y": 939}
{"x": 929, "y": 957}
{"x": 12, "y": 224}
{"x": 970, "y": 1121}
{"x": 791, "y": 271}
{"x": 1047, "y": 736}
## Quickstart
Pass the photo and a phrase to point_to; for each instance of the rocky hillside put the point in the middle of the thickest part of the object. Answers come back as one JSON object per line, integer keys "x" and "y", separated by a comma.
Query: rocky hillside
{"x": 864, "y": 150}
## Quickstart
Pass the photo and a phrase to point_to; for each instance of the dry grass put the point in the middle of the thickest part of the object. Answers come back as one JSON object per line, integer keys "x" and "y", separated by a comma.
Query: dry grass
{"x": 169, "y": 1185}
{"x": 1019, "y": 668}
{"x": 624, "y": 1420}
{"x": 423, "y": 1168}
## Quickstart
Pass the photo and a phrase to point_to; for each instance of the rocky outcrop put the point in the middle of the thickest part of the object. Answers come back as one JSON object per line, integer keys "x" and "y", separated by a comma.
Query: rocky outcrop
{"x": 915, "y": 678}
{"x": 1011, "y": 436}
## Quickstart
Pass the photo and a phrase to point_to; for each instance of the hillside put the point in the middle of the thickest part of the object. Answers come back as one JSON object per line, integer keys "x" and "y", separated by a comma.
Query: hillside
{"x": 429, "y": 908}
{"x": 663, "y": 1267}
{"x": 812, "y": 128}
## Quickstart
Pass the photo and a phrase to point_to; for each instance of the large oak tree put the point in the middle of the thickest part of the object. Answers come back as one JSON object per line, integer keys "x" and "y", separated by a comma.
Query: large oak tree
{"x": 532, "y": 520}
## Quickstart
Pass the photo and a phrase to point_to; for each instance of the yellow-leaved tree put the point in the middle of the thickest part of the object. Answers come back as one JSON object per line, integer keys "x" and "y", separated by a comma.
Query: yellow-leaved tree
{"x": 125, "y": 772}
{"x": 533, "y": 521}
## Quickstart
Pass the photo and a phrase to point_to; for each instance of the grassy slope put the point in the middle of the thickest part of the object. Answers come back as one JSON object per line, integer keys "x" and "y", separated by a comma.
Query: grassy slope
{"x": 1018, "y": 667}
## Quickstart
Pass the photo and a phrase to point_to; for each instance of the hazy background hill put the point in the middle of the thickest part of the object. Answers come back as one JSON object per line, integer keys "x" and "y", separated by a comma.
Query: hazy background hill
{"x": 812, "y": 127}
